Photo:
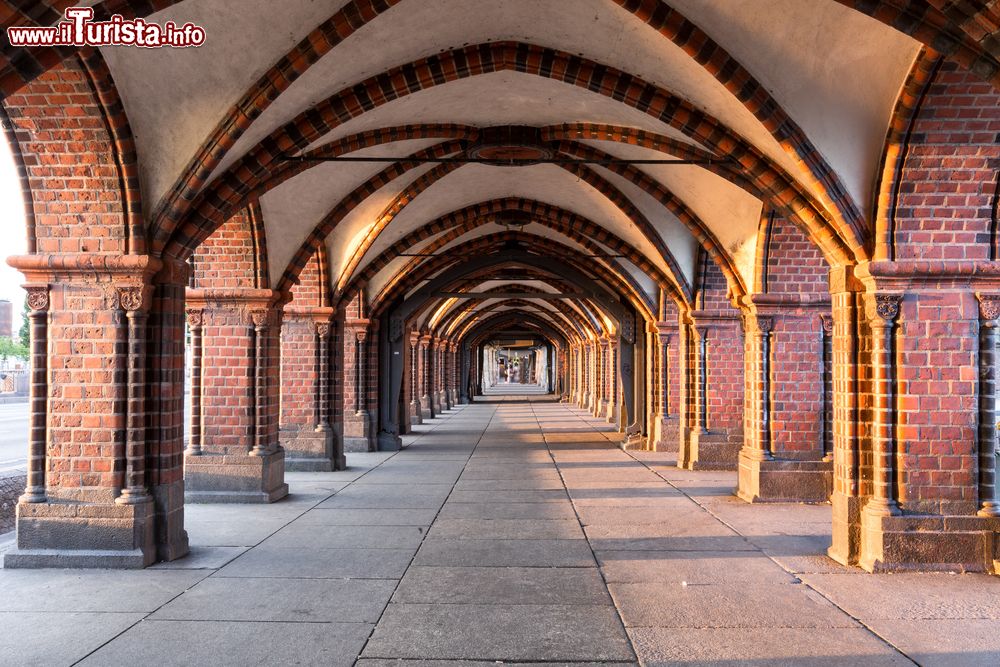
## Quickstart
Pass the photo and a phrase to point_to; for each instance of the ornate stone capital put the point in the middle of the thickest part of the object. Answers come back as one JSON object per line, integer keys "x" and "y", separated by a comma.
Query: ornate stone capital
{"x": 38, "y": 297}
{"x": 765, "y": 325}
{"x": 826, "y": 321}
{"x": 989, "y": 306}
{"x": 195, "y": 317}
{"x": 131, "y": 298}
{"x": 258, "y": 318}
{"x": 323, "y": 329}
{"x": 883, "y": 307}
{"x": 361, "y": 336}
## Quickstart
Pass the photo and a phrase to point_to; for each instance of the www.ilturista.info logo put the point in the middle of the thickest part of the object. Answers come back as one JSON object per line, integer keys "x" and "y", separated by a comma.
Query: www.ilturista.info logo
{"x": 79, "y": 29}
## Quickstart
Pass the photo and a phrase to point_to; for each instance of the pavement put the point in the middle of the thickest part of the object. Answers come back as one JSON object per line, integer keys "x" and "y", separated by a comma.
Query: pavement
{"x": 13, "y": 436}
{"x": 509, "y": 532}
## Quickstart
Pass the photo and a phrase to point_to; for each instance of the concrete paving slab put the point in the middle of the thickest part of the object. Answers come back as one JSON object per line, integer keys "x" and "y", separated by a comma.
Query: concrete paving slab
{"x": 912, "y": 596}
{"x": 367, "y": 517}
{"x": 229, "y": 644}
{"x": 530, "y": 483}
{"x": 495, "y": 632}
{"x": 502, "y": 585}
{"x": 726, "y": 605}
{"x": 245, "y": 533}
{"x": 299, "y": 600}
{"x": 486, "y": 511}
{"x": 811, "y": 647}
{"x": 693, "y": 567}
{"x": 690, "y": 536}
{"x": 305, "y": 536}
{"x": 966, "y": 642}
{"x": 45, "y": 639}
{"x": 202, "y": 558}
{"x": 507, "y": 529}
{"x": 374, "y": 662}
{"x": 320, "y": 563}
{"x": 509, "y": 496}
{"x": 505, "y": 553}
{"x": 93, "y": 590}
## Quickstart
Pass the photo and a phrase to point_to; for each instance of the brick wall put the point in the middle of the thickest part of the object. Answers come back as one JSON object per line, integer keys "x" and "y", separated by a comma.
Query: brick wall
{"x": 945, "y": 209}
{"x": 70, "y": 164}
{"x": 228, "y": 258}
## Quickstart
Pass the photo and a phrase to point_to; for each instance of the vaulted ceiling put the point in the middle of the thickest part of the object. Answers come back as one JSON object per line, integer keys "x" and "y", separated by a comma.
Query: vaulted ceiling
{"x": 778, "y": 103}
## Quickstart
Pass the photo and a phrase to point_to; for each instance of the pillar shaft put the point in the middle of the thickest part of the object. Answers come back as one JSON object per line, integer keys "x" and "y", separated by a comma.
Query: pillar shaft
{"x": 38, "y": 303}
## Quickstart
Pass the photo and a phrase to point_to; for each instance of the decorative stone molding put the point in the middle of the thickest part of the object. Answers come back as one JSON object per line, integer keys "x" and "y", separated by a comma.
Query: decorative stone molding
{"x": 883, "y": 307}
{"x": 989, "y": 306}
{"x": 826, "y": 322}
{"x": 131, "y": 298}
{"x": 323, "y": 329}
{"x": 195, "y": 317}
{"x": 258, "y": 318}
{"x": 38, "y": 297}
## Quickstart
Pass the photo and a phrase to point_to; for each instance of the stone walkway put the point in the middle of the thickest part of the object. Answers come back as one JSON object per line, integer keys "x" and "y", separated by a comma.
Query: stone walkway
{"x": 512, "y": 531}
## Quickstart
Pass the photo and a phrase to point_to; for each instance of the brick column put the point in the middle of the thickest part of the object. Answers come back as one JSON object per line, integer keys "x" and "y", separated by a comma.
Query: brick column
{"x": 426, "y": 404}
{"x": 89, "y": 500}
{"x": 713, "y": 396}
{"x": 241, "y": 460}
{"x": 358, "y": 432}
{"x": 195, "y": 322}
{"x": 414, "y": 376}
{"x": 783, "y": 457}
{"x": 306, "y": 430}
{"x": 665, "y": 423}
{"x": 614, "y": 399}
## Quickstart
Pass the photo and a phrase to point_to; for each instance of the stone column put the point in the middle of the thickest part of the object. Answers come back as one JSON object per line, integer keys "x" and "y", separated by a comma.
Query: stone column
{"x": 415, "y": 410}
{"x": 666, "y": 426}
{"x": 826, "y": 370}
{"x": 195, "y": 322}
{"x": 614, "y": 407}
{"x": 358, "y": 432}
{"x": 38, "y": 305}
{"x": 989, "y": 311}
{"x": 134, "y": 301}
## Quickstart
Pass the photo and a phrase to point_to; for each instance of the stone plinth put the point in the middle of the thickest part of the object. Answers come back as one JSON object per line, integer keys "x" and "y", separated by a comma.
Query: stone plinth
{"x": 237, "y": 478}
{"x": 784, "y": 481}
{"x": 712, "y": 451}
{"x": 309, "y": 450}
{"x": 83, "y": 535}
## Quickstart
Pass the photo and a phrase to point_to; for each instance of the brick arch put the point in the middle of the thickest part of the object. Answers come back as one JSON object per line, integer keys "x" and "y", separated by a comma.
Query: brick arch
{"x": 21, "y": 66}
{"x": 234, "y": 256}
{"x": 944, "y": 26}
{"x": 574, "y": 226}
{"x": 175, "y": 236}
{"x": 667, "y": 21}
{"x": 936, "y": 200}
{"x": 457, "y": 315}
{"x": 578, "y": 229}
{"x": 403, "y": 283}
{"x": 313, "y": 288}
{"x": 70, "y": 138}
{"x": 787, "y": 263}
{"x": 519, "y": 304}
{"x": 791, "y": 199}
{"x": 409, "y": 194}
{"x": 497, "y": 322}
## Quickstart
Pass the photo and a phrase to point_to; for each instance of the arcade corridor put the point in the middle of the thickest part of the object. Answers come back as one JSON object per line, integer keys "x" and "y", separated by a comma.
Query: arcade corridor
{"x": 513, "y": 530}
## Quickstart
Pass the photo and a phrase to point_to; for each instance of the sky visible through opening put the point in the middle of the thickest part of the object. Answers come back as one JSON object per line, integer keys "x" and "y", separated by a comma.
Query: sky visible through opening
{"x": 13, "y": 232}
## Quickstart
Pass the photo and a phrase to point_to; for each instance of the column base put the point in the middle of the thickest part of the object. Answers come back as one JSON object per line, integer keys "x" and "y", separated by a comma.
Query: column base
{"x": 415, "y": 413}
{"x": 928, "y": 543}
{"x": 783, "y": 480}
{"x": 389, "y": 442}
{"x": 358, "y": 433}
{"x": 666, "y": 431}
{"x": 76, "y": 535}
{"x": 712, "y": 450}
{"x": 308, "y": 450}
{"x": 426, "y": 409}
{"x": 235, "y": 478}
{"x": 846, "y": 528}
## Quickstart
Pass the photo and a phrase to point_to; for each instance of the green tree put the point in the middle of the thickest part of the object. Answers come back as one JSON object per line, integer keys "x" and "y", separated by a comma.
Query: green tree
{"x": 9, "y": 349}
{"x": 24, "y": 334}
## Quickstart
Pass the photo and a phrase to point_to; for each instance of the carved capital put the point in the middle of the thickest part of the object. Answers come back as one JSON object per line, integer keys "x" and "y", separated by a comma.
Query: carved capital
{"x": 989, "y": 306}
{"x": 38, "y": 297}
{"x": 361, "y": 336}
{"x": 323, "y": 329}
{"x": 195, "y": 317}
{"x": 883, "y": 307}
{"x": 258, "y": 318}
{"x": 826, "y": 321}
{"x": 765, "y": 325}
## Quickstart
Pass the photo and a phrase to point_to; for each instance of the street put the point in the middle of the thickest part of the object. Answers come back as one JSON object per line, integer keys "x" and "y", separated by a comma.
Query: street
{"x": 13, "y": 436}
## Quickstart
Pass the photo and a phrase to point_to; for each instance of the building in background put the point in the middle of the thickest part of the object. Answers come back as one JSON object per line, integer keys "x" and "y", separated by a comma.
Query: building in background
{"x": 6, "y": 319}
